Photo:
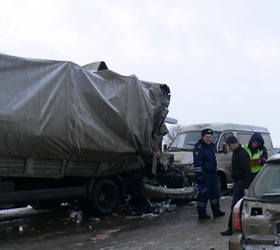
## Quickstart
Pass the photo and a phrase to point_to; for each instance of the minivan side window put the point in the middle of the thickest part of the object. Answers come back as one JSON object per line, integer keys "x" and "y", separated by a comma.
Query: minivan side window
{"x": 223, "y": 141}
{"x": 267, "y": 142}
{"x": 245, "y": 138}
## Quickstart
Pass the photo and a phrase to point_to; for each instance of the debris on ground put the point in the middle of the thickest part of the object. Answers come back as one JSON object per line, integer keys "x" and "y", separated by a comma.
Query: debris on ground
{"x": 103, "y": 235}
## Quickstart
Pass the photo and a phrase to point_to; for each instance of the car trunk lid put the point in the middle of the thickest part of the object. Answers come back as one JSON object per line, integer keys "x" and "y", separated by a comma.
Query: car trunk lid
{"x": 261, "y": 222}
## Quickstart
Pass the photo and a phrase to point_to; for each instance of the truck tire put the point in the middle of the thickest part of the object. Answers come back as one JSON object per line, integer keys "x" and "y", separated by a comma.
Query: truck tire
{"x": 103, "y": 198}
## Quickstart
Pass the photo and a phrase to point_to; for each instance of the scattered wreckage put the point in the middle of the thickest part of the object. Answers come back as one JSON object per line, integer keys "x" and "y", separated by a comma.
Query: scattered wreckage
{"x": 82, "y": 133}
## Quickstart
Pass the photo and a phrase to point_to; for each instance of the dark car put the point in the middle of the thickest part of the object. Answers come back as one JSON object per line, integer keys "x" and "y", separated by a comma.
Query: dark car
{"x": 256, "y": 217}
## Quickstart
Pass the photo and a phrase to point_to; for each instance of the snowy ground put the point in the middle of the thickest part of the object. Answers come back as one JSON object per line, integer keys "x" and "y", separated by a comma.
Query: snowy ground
{"x": 69, "y": 229}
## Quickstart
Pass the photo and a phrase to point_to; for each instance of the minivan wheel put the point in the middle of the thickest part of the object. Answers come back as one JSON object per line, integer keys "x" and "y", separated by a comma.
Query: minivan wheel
{"x": 219, "y": 178}
{"x": 221, "y": 185}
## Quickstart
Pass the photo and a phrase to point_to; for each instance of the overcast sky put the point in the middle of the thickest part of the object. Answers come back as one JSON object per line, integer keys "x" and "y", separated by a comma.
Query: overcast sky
{"x": 221, "y": 59}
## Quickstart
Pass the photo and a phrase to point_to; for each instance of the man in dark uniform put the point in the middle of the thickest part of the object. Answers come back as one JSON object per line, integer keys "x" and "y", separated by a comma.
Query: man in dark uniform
{"x": 205, "y": 168}
{"x": 241, "y": 174}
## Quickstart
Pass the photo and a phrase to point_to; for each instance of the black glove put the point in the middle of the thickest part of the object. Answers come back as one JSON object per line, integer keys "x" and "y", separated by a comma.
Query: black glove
{"x": 199, "y": 180}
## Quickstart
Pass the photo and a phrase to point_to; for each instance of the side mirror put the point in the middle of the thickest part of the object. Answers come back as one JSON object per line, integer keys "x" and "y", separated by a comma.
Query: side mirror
{"x": 225, "y": 148}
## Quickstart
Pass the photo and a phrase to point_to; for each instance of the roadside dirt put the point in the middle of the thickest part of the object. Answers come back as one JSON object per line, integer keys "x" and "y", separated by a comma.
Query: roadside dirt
{"x": 71, "y": 230}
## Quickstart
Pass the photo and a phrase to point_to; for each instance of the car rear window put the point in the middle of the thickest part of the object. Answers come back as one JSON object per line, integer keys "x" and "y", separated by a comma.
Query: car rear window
{"x": 267, "y": 183}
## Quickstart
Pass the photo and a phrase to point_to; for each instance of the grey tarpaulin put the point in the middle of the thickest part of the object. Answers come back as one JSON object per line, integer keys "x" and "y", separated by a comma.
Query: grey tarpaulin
{"x": 58, "y": 109}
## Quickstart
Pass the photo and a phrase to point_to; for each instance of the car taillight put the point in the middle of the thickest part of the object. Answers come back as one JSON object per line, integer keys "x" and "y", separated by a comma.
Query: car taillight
{"x": 236, "y": 218}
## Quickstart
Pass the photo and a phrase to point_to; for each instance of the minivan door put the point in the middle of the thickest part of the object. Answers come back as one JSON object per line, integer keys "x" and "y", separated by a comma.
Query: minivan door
{"x": 224, "y": 159}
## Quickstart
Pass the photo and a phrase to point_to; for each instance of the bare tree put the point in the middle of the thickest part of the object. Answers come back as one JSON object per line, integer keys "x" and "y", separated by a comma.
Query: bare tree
{"x": 173, "y": 131}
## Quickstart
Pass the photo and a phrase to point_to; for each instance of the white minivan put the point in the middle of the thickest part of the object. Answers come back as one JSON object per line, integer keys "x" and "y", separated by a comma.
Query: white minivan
{"x": 182, "y": 147}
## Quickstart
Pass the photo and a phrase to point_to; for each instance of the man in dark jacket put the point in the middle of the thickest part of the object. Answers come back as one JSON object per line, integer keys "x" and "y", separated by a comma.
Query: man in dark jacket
{"x": 241, "y": 174}
{"x": 205, "y": 168}
{"x": 257, "y": 152}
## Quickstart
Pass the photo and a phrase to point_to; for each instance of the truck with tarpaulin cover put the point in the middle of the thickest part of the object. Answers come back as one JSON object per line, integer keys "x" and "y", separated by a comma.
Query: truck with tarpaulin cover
{"x": 85, "y": 133}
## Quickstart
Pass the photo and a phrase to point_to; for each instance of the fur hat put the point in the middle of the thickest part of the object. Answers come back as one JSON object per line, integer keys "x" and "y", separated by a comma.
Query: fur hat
{"x": 206, "y": 131}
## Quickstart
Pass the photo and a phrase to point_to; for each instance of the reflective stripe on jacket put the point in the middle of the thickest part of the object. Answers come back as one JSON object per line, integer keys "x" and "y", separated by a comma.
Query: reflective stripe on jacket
{"x": 204, "y": 158}
{"x": 257, "y": 155}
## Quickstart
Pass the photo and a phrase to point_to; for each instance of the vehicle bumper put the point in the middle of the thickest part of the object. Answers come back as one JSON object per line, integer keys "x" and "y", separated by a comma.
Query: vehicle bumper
{"x": 260, "y": 247}
{"x": 235, "y": 242}
{"x": 163, "y": 193}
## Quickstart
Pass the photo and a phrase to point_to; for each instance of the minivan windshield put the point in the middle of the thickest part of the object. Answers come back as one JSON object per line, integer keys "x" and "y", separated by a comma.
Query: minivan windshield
{"x": 267, "y": 183}
{"x": 187, "y": 140}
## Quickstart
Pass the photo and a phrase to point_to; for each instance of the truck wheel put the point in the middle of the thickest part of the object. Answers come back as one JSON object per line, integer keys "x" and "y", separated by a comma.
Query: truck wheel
{"x": 103, "y": 198}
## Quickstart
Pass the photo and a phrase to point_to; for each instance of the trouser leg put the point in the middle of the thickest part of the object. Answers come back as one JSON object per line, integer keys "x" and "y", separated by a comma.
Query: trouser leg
{"x": 237, "y": 195}
{"x": 202, "y": 199}
{"x": 214, "y": 194}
